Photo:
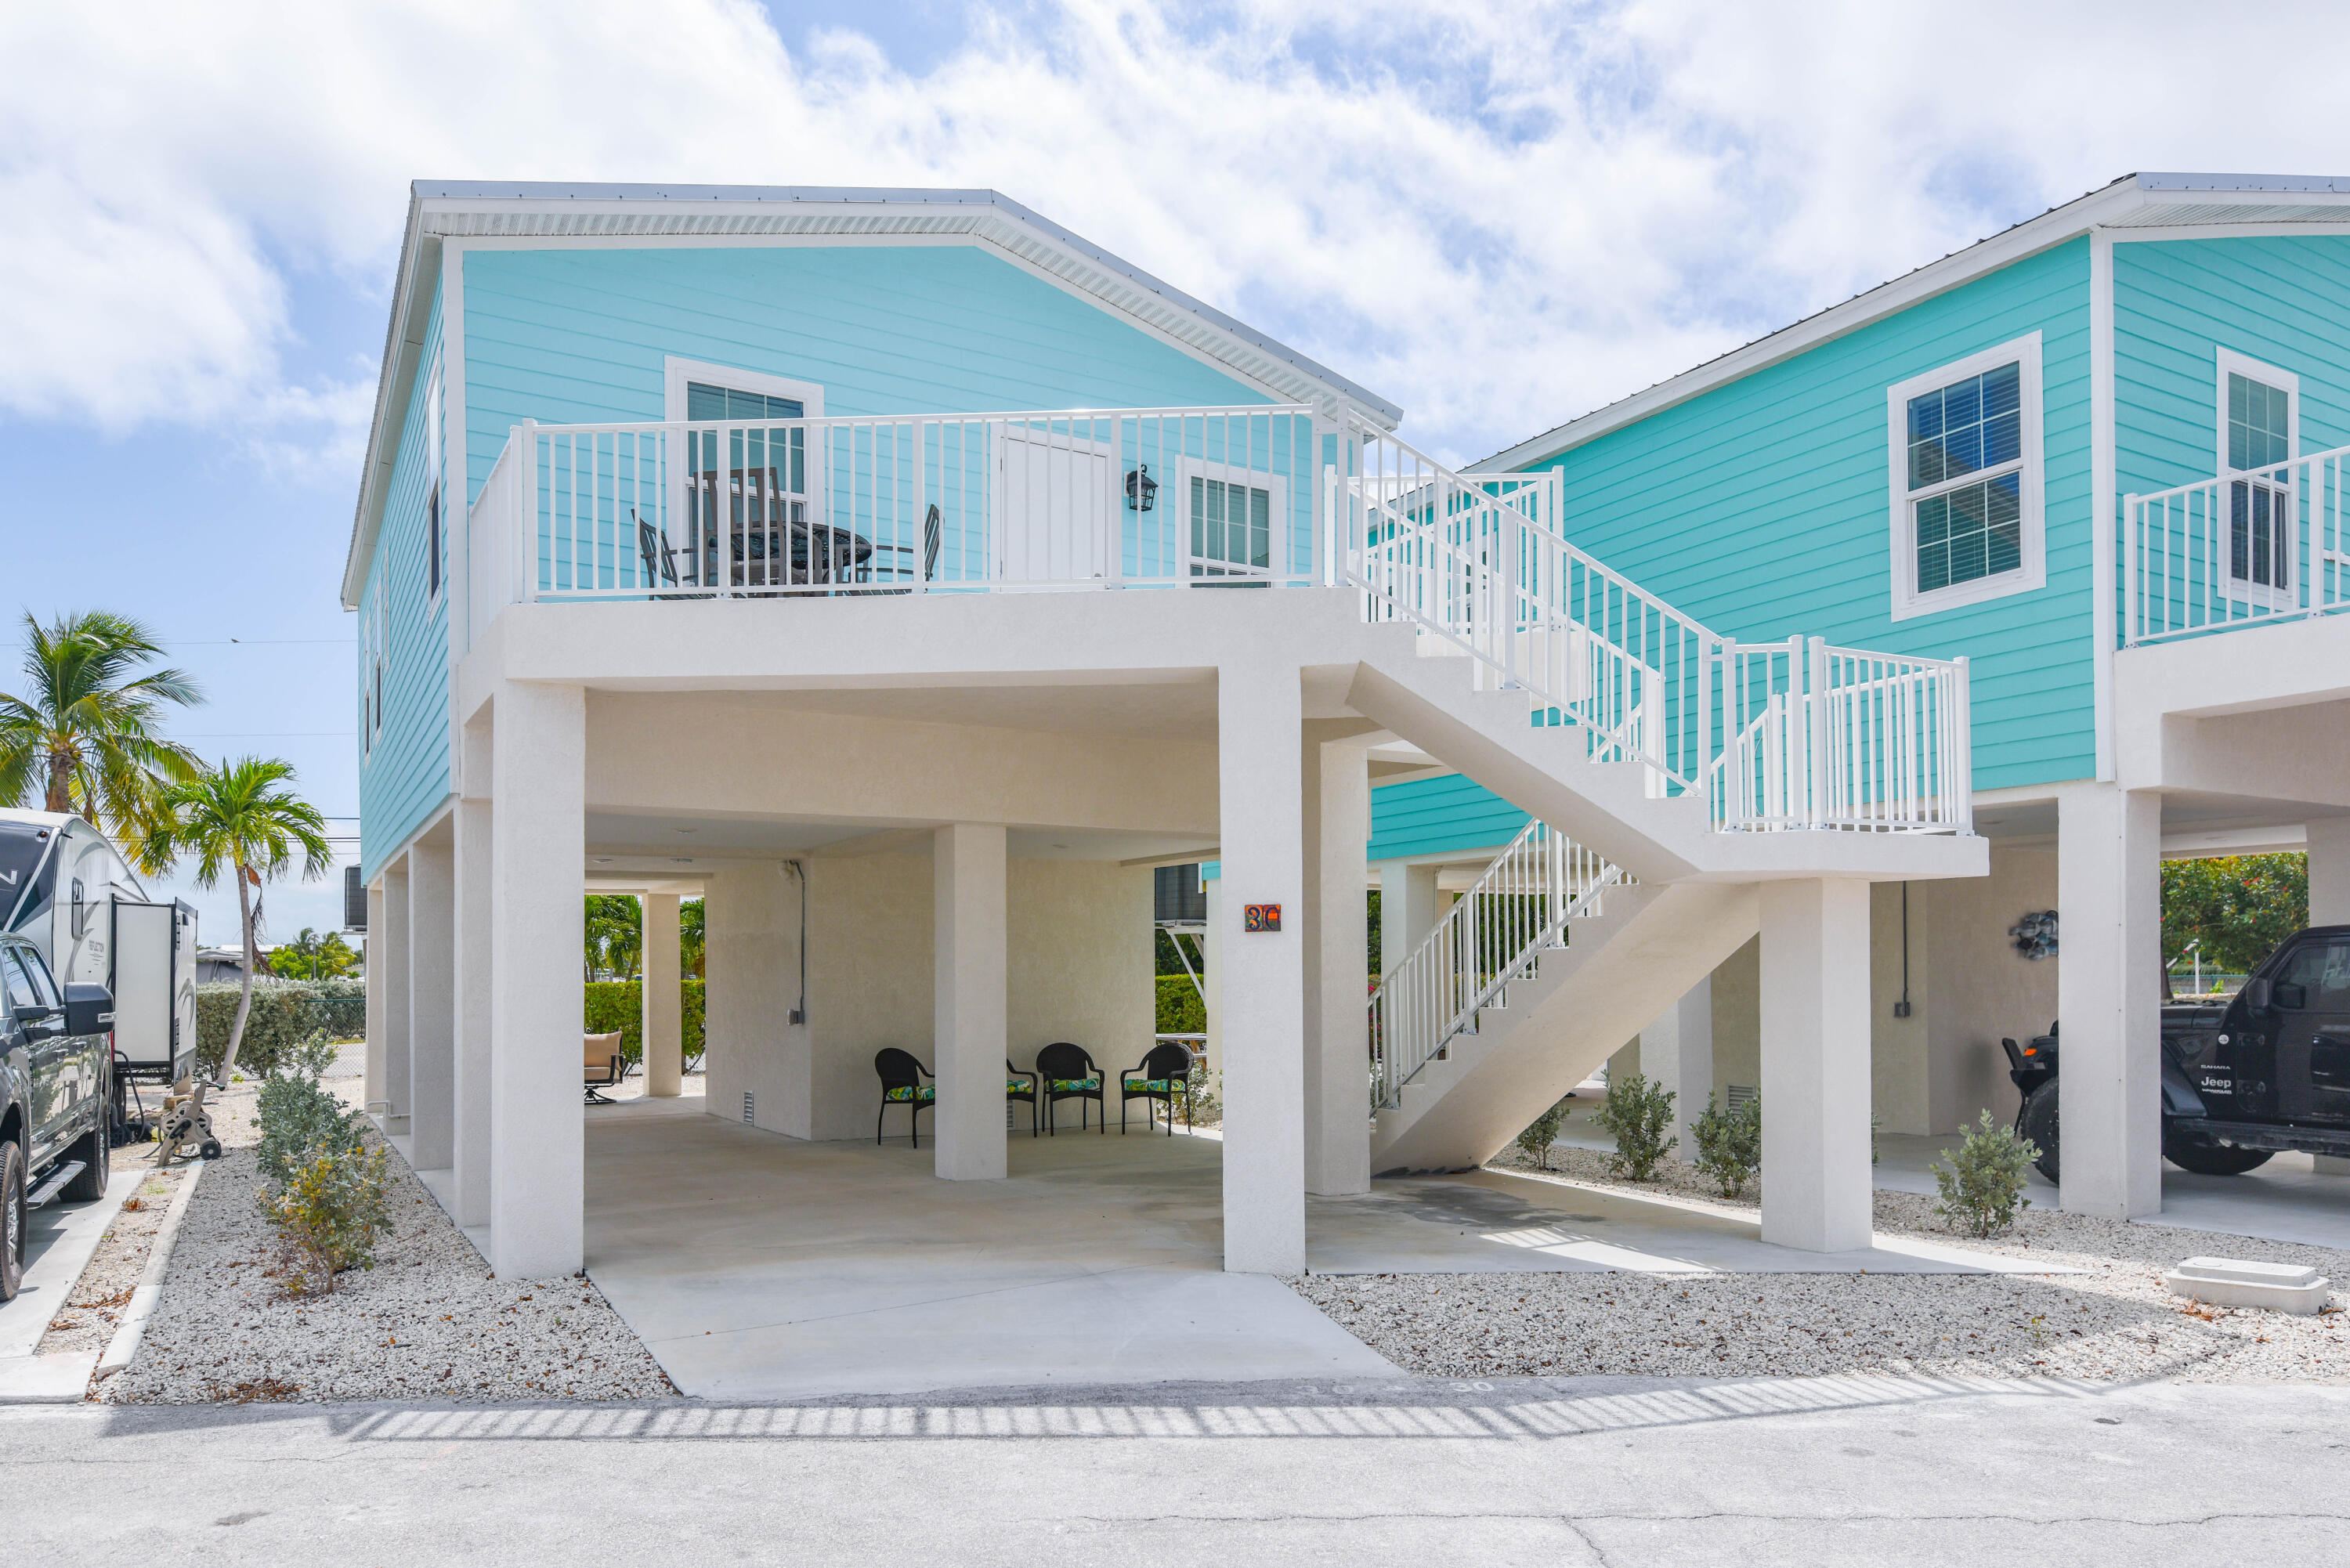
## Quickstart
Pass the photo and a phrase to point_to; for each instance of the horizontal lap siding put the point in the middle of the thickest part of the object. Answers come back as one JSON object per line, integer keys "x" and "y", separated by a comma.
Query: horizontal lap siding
{"x": 2285, "y": 302}
{"x": 1760, "y": 509}
{"x": 579, "y": 336}
{"x": 406, "y": 776}
{"x": 1439, "y": 817}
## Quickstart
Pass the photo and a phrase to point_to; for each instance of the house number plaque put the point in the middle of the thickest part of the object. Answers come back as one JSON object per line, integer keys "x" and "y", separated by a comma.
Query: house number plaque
{"x": 1260, "y": 916}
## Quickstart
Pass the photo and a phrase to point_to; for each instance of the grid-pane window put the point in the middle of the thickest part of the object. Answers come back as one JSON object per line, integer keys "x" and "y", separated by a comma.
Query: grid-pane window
{"x": 1965, "y": 452}
{"x": 2259, "y": 423}
{"x": 1231, "y": 528}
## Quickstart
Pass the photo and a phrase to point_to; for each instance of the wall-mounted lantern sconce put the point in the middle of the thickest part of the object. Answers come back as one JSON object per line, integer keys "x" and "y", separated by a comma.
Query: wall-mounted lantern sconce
{"x": 1141, "y": 490}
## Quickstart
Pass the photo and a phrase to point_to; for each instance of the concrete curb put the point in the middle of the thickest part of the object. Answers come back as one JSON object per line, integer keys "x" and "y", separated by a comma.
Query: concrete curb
{"x": 60, "y": 1379}
{"x": 127, "y": 1334}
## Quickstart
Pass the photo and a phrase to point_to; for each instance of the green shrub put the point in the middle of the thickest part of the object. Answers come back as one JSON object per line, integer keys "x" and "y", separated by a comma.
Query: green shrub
{"x": 283, "y": 1015}
{"x": 1543, "y": 1132}
{"x": 1207, "y": 1095}
{"x": 329, "y": 1211}
{"x": 618, "y": 1005}
{"x": 299, "y": 1118}
{"x": 1180, "y": 1010}
{"x": 1729, "y": 1144}
{"x": 1640, "y": 1115}
{"x": 1983, "y": 1187}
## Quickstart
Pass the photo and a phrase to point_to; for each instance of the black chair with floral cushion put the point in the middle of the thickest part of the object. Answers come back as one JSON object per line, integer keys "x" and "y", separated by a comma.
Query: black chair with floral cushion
{"x": 1019, "y": 1085}
{"x": 1069, "y": 1074}
{"x": 1164, "y": 1076}
{"x": 901, "y": 1085}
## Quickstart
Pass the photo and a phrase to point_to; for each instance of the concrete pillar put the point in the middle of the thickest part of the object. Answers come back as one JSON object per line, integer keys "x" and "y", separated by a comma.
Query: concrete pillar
{"x": 393, "y": 1104}
{"x": 1259, "y": 717}
{"x": 970, "y": 1034}
{"x": 432, "y": 1001}
{"x": 1337, "y": 810}
{"x": 1409, "y": 906}
{"x": 2109, "y": 1000}
{"x": 1676, "y": 1053}
{"x": 537, "y": 926}
{"x": 1211, "y": 981}
{"x": 1817, "y": 1193}
{"x": 472, "y": 1119}
{"x": 377, "y": 966}
{"x": 664, "y": 1000}
{"x": 2329, "y": 871}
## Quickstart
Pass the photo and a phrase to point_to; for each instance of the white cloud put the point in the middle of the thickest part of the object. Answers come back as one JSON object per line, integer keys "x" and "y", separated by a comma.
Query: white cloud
{"x": 1497, "y": 214}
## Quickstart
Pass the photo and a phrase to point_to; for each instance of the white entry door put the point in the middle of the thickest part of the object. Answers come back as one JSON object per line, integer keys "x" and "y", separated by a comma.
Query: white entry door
{"x": 1057, "y": 515}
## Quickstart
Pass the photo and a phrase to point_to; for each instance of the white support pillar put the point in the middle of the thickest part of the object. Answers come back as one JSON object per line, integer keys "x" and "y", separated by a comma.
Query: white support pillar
{"x": 1410, "y": 904}
{"x": 472, "y": 984}
{"x": 431, "y": 1001}
{"x": 537, "y": 926}
{"x": 378, "y": 1027}
{"x": 663, "y": 1028}
{"x": 2109, "y": 1000}
{"x": 393, "y": 1101}
{"x": 1337, "y": 810}
{"x": 1677, "y": 1054}
{"x": 2329, "y": 871}
{"x": 1212, "y": 949}
{"x": 1817, "y": 1193}
{"x": 1259, "y": 717}
{"x": 970, "y": 1034}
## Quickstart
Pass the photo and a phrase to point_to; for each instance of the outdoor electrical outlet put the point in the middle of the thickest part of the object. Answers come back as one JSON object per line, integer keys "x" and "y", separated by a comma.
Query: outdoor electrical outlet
{"x": 1900, "y": 1010}
{"x": 799, "y": 1015}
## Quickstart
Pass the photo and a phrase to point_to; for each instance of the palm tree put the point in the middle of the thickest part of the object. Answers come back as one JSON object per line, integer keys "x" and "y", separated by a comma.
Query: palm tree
{"x": 83, "y": 736}
{"x": 239, "y": 818}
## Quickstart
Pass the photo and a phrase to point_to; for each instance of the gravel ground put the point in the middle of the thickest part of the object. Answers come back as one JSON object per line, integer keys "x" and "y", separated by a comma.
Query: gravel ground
{"x": 2112, "y": 1321}
{"x": 427, "y": 1321}
{"x": 94, "y": 1305}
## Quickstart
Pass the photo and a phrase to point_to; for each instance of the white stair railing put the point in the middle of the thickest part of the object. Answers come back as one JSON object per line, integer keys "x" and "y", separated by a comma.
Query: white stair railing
{"x": 1519, "y": 906}
{"x": 2246, "y": 546}
{"x": 1779, "y": 736}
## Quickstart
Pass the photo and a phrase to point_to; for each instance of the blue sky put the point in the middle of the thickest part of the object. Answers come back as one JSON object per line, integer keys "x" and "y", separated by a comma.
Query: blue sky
{"x": 1498, "y": 214}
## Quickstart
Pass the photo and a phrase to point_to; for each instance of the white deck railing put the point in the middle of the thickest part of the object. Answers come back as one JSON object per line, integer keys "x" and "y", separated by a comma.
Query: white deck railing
{"x": 1494, "y": 934}
{"x": 1794, "y": 734}
{"x": 2244, "y": 547}
{"x": 912, "y": 503}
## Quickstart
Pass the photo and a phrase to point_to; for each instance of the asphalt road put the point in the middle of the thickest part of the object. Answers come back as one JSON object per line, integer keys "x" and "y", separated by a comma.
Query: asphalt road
{"x": 1614, "y": 1471}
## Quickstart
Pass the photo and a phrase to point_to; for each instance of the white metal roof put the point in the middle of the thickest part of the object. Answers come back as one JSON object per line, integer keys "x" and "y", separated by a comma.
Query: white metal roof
{"x": 2132, "y": 202}
{"x": 459, "y": 209}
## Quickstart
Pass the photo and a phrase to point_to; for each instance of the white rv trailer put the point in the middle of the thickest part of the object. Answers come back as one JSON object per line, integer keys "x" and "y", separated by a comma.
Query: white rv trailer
{"x": 66, "y": 887}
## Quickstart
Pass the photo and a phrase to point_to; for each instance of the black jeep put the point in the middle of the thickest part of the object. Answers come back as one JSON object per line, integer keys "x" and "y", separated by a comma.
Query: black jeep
{"x": 2264, "y": 1070}
{"x": 56, "y": 1053}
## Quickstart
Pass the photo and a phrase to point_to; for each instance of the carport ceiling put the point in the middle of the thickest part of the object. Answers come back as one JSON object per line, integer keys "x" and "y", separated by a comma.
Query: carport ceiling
{"x": 1158, "y": 711}
{"x": 621, "y": 843}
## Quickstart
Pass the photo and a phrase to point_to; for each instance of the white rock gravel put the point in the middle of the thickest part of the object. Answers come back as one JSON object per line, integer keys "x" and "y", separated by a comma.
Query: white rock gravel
{"x": 428, "y": 1321}
{"x": 2113, "y": 1320}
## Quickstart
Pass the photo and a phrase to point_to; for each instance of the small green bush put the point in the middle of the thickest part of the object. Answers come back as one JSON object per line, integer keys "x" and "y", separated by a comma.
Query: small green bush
{"x": 1729, "y": 1144}
{"x": 1543, "y": 1133}
{"x": 618, "y": 1005}
{"x": 1180, "y": 1012}
{"x": 330, "y": 1210}
{"x": 299, "y": 1118}
{"x": 1207, "y": 1095}
{"x": 1640, "y": 1115}
{"x": 1983, "y": 1187}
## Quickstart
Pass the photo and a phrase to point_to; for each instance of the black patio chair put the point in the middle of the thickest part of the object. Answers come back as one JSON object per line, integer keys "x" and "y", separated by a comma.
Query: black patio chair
{"x": 658, "y": 555}
{"x": 1164, "y": 1075}
{"x": 1069, "y": 1074}
{"x": 1019, "y": 1085}
{"x": 931, "y": 543}
{"x": 901, "y": 1085}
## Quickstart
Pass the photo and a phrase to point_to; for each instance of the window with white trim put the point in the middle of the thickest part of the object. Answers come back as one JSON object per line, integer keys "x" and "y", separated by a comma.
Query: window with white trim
{"x": 1232, "y": 529}
{"x": 1965, "y": 470}
{"x": 434, "y": 568}
{"x": 2260, "y": 425}
{"x": 375, "y": 638}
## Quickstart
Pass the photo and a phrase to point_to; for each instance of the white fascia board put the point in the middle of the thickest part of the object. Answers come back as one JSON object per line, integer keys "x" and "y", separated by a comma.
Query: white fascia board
{"x": 2135, "y": 200}
{"x": 403, "y": 345}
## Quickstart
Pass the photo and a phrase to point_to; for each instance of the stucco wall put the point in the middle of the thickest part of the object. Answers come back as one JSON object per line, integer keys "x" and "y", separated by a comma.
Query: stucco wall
{"x": 1980, "y": 987}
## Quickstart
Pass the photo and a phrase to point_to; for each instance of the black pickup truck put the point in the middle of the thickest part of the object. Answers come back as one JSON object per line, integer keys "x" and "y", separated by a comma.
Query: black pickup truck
{"x": 2265, "y": 1070}
{"x": 56, "y": 1052}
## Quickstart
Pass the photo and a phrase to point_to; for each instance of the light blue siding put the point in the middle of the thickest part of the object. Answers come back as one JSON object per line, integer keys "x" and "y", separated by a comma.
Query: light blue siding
{"x": 1439, "y": 817}
{"x": 1761, "y": 508}
{"x": 406, "y": 775}
{"x": 2283, "y": 301}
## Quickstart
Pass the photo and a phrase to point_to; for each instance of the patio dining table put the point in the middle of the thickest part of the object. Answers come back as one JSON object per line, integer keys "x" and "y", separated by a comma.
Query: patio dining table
{"x": 821, "y": 554}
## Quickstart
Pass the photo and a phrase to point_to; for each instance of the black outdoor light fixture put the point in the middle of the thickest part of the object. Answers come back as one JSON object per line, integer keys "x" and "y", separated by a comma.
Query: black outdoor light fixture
{"x": 1141, "y": 490}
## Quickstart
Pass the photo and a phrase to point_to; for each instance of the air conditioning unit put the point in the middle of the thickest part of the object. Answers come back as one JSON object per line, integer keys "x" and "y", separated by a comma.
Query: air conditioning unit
{"x": 354, "y": 900}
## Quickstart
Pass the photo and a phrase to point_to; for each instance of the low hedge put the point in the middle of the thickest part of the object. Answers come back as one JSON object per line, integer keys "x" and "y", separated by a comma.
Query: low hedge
{"x": 620, "y": 1005}
{"x": 284, "y": 1013}
{"x": 1180, "y": 1012}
